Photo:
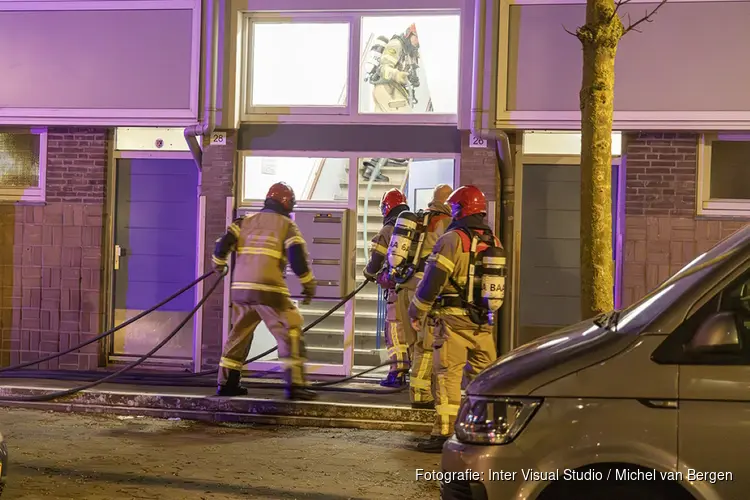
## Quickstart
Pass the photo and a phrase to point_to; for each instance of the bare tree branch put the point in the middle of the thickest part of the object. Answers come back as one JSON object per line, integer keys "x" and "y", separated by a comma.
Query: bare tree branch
{"x": 569, "y": 32}
{"x": 620, "y": 3}
{"x": 646, "y": 18}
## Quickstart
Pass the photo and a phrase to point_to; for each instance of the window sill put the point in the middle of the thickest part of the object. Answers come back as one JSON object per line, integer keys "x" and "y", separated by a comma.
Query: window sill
{"x": 724, "y": 209}
{"x": 23, "y": 202}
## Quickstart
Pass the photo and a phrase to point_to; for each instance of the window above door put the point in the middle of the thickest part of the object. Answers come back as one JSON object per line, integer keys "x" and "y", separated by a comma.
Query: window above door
{"x": 350, "y": 67}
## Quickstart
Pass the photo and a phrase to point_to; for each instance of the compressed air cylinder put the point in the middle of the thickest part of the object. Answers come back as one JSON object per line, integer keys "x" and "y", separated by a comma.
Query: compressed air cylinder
{"x": 494, "y": 271}
{"x": 401, "y": 240}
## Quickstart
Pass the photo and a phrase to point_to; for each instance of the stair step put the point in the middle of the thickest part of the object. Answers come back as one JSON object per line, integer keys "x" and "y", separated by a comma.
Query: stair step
{"x": 315, "y": 313}
{"x": 365, "y": 357}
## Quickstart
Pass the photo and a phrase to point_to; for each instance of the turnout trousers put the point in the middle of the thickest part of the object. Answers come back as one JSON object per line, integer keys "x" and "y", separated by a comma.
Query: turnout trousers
{"x": 458, "y": 345}
{"x": 284, "y": 323}
{"x": 419, "y": 346}
{"x": 399, "y": 336}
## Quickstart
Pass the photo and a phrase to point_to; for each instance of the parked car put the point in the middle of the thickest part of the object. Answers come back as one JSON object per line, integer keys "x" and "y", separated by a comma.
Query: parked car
{"x": 651, "y": 402}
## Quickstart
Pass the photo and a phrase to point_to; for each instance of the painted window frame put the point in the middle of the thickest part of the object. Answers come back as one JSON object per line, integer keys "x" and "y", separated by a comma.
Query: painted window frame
{"x": 109, "y": 117}
{"x": 243, "y": 202}
{"x": 352, "y": 156}
{"x": 492, "y": 83}
{"x": 716, "y": 206}
{"x": 335, "y": 114}
{"x": 37, "y": 195}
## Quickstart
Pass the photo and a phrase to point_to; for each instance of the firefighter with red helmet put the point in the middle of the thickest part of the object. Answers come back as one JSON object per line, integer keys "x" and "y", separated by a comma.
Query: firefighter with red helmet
{"x": 264, "y": 243}
{"x": 462, "y": 287}
{"x": 392, "y": 205}
{"x": 395, "y": 76}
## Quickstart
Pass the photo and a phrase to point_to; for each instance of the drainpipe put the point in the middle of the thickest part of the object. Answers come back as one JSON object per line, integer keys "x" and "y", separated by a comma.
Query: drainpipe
{"x": 211, "y": 76}
{"x": 483, "y": 112}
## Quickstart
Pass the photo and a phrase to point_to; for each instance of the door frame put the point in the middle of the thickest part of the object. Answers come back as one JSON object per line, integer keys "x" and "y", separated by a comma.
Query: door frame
{"x": 105, "y": 356}
{"x": 236, "y": 203}
{"x": 619, "y": 237}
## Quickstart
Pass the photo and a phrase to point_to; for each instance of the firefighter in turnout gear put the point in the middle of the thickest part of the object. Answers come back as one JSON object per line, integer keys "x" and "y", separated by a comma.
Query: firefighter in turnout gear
{"x": 392, "y": 205}
{"x": 395, "y": 77}
{"x": 407, "y": 270}
{"x": 463, "y": 286}
{"x": 265, "y": 242}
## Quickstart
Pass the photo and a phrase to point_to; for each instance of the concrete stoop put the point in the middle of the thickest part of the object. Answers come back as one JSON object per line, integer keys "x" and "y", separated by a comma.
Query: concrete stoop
{"x": 262, "y": 406}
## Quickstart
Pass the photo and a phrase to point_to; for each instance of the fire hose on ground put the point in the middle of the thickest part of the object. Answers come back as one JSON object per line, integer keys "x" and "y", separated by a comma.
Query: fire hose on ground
{"x": 180, "y": 379}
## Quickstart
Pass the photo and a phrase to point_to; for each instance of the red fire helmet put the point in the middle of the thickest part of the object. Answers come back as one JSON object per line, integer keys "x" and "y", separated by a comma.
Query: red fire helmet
{"x": 391, "y": 199}
{"x": 282, "y": 193}
{"x": 466, "y": 201}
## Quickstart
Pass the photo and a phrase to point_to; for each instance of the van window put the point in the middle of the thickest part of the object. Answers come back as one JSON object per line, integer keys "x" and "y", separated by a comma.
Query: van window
{"x": 717, "y": 334}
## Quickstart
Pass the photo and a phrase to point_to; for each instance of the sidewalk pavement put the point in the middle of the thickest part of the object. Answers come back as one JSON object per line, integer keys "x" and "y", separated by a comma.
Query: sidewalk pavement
{"x": 262, "y": 405}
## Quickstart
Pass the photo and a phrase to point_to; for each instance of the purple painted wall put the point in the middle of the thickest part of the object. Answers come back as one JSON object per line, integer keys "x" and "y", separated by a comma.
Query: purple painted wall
{"x": 685, "y": 60}
{"x": 110, "y": 59}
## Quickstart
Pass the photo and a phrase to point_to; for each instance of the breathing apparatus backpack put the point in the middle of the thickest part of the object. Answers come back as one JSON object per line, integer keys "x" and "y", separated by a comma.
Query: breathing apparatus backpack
{"x": 372, "y": 66}
{"x": 484, "y": 292}
{"x": 406, "y": 244}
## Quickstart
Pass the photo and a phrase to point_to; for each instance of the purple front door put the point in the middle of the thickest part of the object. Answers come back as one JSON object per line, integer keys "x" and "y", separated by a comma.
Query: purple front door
{"x": 155, "y": 236}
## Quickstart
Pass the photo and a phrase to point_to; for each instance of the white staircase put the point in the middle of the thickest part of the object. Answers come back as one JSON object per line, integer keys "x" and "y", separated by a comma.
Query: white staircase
{"x": 325, "y": 342}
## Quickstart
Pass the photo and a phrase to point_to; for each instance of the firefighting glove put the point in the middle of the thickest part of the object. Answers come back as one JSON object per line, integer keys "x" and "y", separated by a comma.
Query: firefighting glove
{"x": 220, "y": 268}
{"x": 414, "y": 79}
{"x": 369, "y": 277}
{"x": 308, "y": 290}
{"x": 402, "y": 77}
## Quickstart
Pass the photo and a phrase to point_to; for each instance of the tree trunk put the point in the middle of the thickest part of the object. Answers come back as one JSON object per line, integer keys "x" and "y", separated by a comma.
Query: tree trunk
{"x": 599, "y": 37}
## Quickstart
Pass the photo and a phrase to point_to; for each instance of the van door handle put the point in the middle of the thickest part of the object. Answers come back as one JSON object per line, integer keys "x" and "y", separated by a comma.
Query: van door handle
{"x": 660, "y": 404}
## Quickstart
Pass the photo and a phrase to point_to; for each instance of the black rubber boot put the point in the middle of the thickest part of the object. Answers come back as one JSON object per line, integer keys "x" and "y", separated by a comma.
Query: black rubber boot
{"x": 432, "y": 445}
{"x": 370, "y": 168}
{"x": 399, "y": 162}
{"x": 300, "y": 393}
{"x": 232, "y": 386}
{"x": 395, "y": 380}
{"x": 297, "y": 392}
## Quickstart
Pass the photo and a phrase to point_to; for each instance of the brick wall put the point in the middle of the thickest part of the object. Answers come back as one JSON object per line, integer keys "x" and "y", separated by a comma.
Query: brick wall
{"x": 479, "y": 167}
{"x": 217, "y": 184}
{"x": 50, "y": 257}
{"x": 662, "y": 233}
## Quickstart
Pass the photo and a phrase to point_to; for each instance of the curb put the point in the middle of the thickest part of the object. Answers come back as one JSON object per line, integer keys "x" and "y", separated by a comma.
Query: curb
{"x": 243, "y": 410}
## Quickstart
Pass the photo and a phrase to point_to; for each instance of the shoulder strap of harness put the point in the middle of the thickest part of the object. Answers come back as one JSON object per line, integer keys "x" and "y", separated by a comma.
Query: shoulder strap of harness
{"x": 435, "y": 217}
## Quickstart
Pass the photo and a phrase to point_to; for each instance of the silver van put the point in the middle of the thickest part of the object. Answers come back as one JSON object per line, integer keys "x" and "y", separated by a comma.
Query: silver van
{"x": 650, "y": 402}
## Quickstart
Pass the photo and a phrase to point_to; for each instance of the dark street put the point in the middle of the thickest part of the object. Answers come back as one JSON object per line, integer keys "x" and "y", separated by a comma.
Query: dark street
{"x": 64, "y": 456}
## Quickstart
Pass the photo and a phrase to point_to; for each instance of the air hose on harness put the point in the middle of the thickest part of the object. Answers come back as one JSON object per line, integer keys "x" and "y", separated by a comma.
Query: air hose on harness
{"x": 117, "y": 376}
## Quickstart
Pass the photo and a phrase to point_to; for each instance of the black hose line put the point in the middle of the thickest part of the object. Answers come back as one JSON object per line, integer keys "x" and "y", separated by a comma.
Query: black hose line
{"x": 69, "y": 392}
{"x": 111, "y": 331}
{"x": 184, "y": 379}
{"x": 151, "y": 379}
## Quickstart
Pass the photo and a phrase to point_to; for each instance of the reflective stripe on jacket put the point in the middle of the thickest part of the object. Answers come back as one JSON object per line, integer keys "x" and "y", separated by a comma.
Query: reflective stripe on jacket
{"x": 264, "y": 242}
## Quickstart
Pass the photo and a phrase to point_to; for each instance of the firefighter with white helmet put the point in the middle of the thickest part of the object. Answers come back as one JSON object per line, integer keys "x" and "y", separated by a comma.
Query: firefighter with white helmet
{"x": 265, "y": 242}
{"x": 463, "y": 287}
{"x": 395, "y": 75}
{"x": 411, "y": 244}
{"x": 399, "y": 344}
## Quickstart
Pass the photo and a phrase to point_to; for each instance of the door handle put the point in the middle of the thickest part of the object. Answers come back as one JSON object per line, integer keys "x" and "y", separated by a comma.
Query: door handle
{"x": 119, "y": 252}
